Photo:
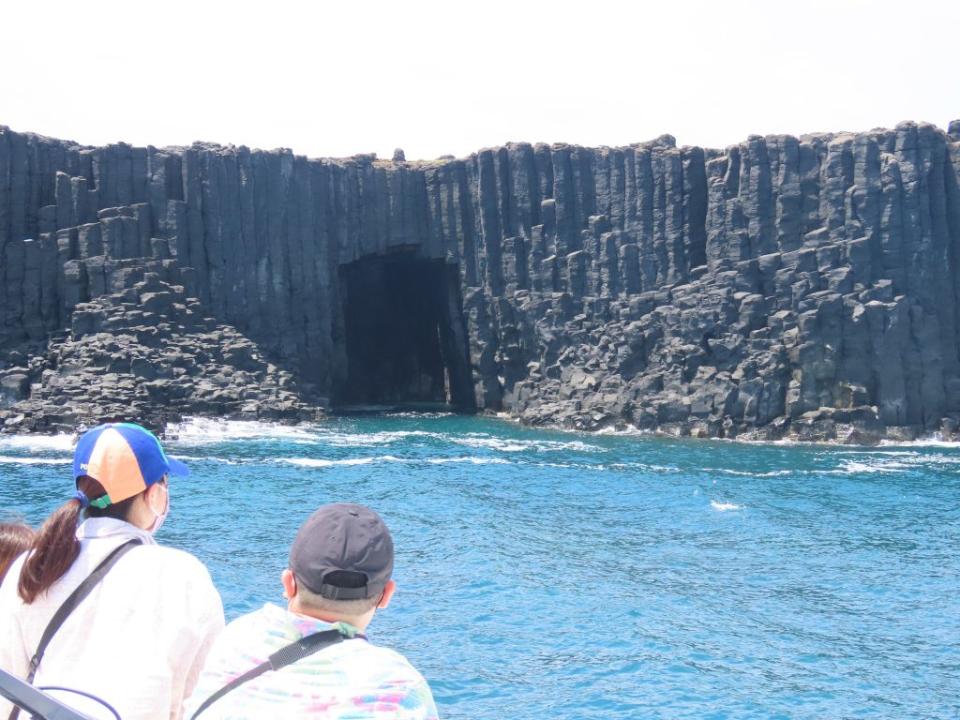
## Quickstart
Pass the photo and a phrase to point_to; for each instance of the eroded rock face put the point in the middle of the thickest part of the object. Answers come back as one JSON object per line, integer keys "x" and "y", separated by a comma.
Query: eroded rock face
{"x": 785, "y": 286}
{"x": 152, "y": 354}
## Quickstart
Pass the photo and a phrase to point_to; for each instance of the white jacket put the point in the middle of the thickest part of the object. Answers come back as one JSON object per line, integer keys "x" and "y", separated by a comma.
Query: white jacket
{"x": 138, "y": 640}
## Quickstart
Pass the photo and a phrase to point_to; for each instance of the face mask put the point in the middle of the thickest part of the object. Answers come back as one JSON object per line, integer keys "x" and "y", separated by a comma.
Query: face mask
{"x": 161, "y": 516}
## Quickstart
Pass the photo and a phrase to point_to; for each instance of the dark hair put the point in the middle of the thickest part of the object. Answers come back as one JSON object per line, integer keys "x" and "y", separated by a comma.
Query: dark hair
{"x": 15, "y": 539}
{"x": 56, "y": 546}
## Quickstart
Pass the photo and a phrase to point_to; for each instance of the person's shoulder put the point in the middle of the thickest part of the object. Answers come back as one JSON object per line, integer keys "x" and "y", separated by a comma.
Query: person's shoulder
{"x": 8, "y": 588}
{"x": 172, "y": 566}
{"x": 394, "y": 675}
{"x": 178, "y": 581}
{"x": 387, "y": 659}
{"x": 172, "y": 558}
{"x": 259, "y": 619}
{"x": 244, "y": 636}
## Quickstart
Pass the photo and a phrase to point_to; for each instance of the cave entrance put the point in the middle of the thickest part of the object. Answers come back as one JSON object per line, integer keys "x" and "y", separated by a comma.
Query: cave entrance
{"x": 406, "y": 341}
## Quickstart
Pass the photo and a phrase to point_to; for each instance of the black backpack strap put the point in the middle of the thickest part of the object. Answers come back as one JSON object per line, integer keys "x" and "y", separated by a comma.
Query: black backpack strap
{"x": 70, "y": 604}
{"x": 281, "y": 658}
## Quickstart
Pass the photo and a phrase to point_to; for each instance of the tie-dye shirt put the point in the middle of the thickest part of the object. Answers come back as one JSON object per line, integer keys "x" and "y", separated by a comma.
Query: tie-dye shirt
{"x": 352, "y": 680}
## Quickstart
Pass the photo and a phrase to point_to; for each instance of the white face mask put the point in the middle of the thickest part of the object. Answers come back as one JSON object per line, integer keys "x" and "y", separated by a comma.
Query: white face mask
{"x": 161, "y": 516}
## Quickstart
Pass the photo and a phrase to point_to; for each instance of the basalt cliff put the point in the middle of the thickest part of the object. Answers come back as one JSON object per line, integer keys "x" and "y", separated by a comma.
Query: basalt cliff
{"x": 801, "y": 287}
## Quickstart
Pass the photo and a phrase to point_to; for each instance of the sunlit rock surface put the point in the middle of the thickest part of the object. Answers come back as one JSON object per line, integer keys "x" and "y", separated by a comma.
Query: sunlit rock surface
{"x": 802, "y": 287}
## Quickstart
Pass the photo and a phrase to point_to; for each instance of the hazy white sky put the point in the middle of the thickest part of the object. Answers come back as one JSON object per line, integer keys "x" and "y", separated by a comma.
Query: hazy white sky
{"x": 345, "y": 77}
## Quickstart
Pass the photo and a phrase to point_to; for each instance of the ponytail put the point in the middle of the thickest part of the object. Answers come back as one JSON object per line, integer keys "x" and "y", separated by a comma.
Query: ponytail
{"x": 55, "y": 546}
{"x": 53, "y": 552}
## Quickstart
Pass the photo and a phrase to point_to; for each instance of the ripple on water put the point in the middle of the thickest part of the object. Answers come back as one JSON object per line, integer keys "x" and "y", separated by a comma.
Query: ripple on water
{"x": 544, "y": 574}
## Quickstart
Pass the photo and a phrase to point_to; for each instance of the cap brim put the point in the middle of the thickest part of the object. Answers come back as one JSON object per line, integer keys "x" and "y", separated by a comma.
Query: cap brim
{"x": 177, "y": 468}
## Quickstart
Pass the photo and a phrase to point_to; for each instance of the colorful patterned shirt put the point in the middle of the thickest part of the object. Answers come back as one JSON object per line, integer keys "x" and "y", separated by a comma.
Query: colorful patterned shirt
{"x": 352, "y": 680}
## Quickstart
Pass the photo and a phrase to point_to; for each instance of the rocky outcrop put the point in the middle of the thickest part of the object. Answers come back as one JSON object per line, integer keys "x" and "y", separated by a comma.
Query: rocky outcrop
{"x": 784, "y": 286}
{"x": 150, "y": 353}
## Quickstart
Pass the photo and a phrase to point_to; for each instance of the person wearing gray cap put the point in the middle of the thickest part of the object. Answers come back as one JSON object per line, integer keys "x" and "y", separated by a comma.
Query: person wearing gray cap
{"x": 313, "y": 659}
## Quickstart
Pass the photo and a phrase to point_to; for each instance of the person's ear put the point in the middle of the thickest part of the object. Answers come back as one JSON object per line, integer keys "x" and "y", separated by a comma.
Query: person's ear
{"x": 152, "y": 494}
{"x": 153, "y": 497}
{"x": 388, "y": 591}
{"x": 289, "y": 582}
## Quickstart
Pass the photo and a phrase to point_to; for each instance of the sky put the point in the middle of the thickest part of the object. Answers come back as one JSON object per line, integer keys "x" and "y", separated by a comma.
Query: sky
{"x": 333, "y": 79}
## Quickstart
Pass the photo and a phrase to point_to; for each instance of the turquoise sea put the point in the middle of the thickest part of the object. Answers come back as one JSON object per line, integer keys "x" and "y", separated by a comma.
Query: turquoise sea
{"x": 555, "y": 575}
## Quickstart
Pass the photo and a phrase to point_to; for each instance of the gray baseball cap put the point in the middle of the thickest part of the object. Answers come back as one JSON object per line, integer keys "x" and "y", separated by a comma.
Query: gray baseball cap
{"x": 343, "y": 552}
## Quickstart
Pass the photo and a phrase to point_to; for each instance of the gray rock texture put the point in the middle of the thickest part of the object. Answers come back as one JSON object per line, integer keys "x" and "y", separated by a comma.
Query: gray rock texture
{"x": 149, "y": 353}
{"x": 803, "y": 287}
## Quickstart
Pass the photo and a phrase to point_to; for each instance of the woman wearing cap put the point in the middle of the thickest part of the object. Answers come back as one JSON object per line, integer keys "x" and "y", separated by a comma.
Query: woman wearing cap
{"x": 139, "y": 638}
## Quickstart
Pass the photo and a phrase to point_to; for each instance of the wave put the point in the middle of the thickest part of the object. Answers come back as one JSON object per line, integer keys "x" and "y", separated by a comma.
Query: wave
{"x": 937, "y": 460}
{"x": 322, "y": 462}
{"x": 865, "y": 464}
{"x": 724, "y": 506}
{"x": 477, "y": 440}
{"x": 899, "y": 463}
{"x": 747, "y": 473}
{"x": 469, "y": 459}
{"x": 933, "y": 440}
{"x": 457, "y": 459}
{"x": 853, "y": 467}
{"x": 386, "y": 437}
{"x": 624, "y": 430}
{"x": 16, "y": 460}
{"x": 473, "y": 440}
{"x": 877, "y": 453}
{"x": 33, "y": 443}
{"x": 205, "y": 458}
{"x": 206, "y": 431}
{"x": 419, "y": 415}
{"x": 635, "y": 466}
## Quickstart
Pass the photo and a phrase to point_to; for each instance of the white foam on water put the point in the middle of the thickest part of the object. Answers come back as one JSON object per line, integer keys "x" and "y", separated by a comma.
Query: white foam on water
{"x": 724, "y": 506}
{"x": 640, "y": 466}
{"x": 13, "y": 460}
{"x": 321, "y": 462}
{"x": 745, "y": 473}
{"x": 937, "y": 460}
{"x": 491, "y": 444}
{"x": 386, "y": 437}
{"x": 205, "y": 431}
{"x": 934, "y": 440}
{"x": 476, "y": 440}
{"x": 38, "y": 443}
{"x": 902, "y": 461}
{"x": 627, "y": 431}
{"x": 473, "y": 440}
{"x": 419, "y": 415}
{"x": 877, "y": 453}
{"x": 783, "y": 442}
{"x": 854, "y": 467}
{"x": 204, "y": 458}
{"x": 565, "y": 466}
{"x": 469, "y": 459}
{"x": 603, "y": 467}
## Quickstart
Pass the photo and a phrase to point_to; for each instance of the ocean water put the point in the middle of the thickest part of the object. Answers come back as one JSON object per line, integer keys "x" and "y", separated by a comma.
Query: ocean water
{"x": 552, "y": 575}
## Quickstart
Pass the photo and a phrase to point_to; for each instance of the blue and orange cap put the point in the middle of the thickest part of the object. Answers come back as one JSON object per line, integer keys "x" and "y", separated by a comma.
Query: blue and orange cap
{"x": 123, "y": 457}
